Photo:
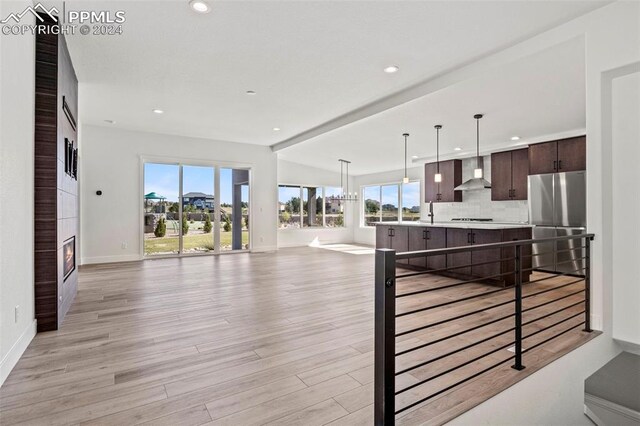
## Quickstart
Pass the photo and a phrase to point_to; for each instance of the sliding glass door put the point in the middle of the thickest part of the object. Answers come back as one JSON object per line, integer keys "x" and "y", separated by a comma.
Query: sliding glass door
{"x": 161, "y": 209}
{"x": 198, "y": 185}
{"x": 187, "y": 212}
{"x": 234, "y": 209}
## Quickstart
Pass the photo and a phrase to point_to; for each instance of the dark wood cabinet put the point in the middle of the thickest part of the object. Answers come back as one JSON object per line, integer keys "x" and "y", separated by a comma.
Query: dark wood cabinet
{"x": 428, "y": 238}
{"x": 566, "y": 155}
{"x": 436, "y": 239}
{"x": 519, "y": 174}
{"x": 572, "y": 154}
{"x": 509, "y": 253}
{"x": 457, "y": 237}
{"x": 501, "y": 176}
{"x": 444, "y": 191}
{"x": 509, "y": 171}
{"x": 489, "y": 270}
{"x": 393, "y": 237}
{"x": 543, "y": 158}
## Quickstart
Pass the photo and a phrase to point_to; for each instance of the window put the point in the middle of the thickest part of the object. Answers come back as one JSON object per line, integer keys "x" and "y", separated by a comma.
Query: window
{"x": 289, "y": 206}
{"x": 312, "y": 206}
{"x": 309, "y": 206}
{"x": 333, "y": 208}
{"x": 411, "y": 201}
{"x": 390, "y": 203}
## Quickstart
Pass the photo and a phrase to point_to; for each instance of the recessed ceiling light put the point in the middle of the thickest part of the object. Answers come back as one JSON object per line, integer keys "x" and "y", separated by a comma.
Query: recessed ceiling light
{"x": 200, "y": 6}
{"x": 414, "y": 157}
{"x": 515, "y": 138}
{"x": 457, "y": 149}
{"x": 110, "y": 121}
{"x": 276, "y": 129}
{"x": 391, "y": 69}
{"x": 250, "y": 92}
{"x": 158, "y": 111}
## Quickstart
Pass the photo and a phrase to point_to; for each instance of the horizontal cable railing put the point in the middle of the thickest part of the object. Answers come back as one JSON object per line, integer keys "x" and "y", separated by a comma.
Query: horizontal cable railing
{"x": 424, "y": 305}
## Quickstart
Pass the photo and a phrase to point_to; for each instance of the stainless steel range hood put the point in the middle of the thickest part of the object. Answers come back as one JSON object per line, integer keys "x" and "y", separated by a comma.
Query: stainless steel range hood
{"x": 475, "y": 184}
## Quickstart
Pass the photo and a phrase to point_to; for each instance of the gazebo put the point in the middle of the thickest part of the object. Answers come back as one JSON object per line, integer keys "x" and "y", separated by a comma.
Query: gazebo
{"x": 152, "y": 196}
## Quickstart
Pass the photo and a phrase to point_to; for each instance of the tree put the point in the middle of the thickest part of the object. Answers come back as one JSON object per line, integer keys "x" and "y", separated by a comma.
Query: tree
{"x": 174, "y": 208}
{"x": 286, "y": 216}
{"x": 293, "y": 205}
{"x": 207, "y": 223}
{"x": 185, "y": 225}
{"x": 161, "y": 228}
{"x": 371, "y": 206}
{"x": 227, "y": 225}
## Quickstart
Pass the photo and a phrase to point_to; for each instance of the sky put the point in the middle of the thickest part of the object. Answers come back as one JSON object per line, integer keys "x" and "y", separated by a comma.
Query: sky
{"x": 163, "y": 179}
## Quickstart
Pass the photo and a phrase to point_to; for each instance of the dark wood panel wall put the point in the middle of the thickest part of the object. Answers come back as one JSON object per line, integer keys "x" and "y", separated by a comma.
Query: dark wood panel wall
{"x": 55, "y": 204}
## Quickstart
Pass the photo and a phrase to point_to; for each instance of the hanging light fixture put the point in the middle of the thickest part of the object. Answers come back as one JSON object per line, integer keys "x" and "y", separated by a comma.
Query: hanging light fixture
{"x": 405, "y": 179}
{"x": 477, "y": 172}
{"x": 438, "y": 176}
{"x": 344, "y": 185}
{"x": 478, "y": 181}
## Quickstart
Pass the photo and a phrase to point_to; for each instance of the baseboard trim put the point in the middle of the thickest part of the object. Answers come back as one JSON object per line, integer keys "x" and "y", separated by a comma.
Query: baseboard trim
{"x": 13, "y": 356}
{"x": 265, "y": 249}
{"x": 632, "y": 347}
{"x": 111, "y": 259}
{"x": 609, "y": 409}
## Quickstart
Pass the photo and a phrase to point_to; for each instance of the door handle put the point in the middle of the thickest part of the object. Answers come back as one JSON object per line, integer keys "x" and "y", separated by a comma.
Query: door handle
{"x": 555, "y": 165}
{"x": 389, "y": 232}
{"x": 424, "y": 234}
{"x": 468, "y": 237}
{"x": 560, "y": 165}
{"x": 428, "y": 235}
{"x": 393, "y": 232}
{"x": 473, "y": 238}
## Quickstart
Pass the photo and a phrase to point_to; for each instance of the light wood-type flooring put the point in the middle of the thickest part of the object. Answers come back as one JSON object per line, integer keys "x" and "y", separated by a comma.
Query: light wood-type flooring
{"x": 272, "y": 338}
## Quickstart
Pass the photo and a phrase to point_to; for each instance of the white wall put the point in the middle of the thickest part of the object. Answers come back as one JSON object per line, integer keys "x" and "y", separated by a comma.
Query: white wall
{"x": 111, "y": 162}
{"x": 16, "y": 192}
{"x": 298, "y": 174}
{"x": 626, "y": 206}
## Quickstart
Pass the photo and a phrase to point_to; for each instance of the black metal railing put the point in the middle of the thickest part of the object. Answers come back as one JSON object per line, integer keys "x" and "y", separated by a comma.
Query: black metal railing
{"x": 517, "y": 270}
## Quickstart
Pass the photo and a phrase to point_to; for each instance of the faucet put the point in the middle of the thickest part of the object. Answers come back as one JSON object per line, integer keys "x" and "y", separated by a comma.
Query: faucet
{"x": 431, "y": 211}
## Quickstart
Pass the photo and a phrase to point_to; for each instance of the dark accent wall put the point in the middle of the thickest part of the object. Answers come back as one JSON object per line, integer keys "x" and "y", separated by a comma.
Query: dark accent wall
{"x": 56, "y": 192}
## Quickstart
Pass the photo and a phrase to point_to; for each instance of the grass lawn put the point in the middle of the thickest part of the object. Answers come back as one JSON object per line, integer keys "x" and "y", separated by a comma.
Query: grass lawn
{"x": 203, "y": 242}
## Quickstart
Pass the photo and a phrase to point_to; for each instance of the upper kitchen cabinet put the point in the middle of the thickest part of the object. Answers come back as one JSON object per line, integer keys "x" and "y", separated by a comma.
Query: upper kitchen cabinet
{"x": 444, "y": 191}
{"x": 509, "y": 171}
{"x": 566, "y": 155}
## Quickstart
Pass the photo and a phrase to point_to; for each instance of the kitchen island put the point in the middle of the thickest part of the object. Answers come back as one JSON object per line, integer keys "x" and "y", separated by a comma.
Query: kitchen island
{"x": 481, "y": 264}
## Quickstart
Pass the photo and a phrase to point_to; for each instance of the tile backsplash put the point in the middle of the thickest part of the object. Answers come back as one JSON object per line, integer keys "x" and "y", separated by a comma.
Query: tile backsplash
{"x": 478, "y": 204}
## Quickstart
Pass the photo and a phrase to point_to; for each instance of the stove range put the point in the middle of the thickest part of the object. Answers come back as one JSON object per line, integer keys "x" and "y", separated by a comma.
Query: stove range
{"x": 470, "y": 219}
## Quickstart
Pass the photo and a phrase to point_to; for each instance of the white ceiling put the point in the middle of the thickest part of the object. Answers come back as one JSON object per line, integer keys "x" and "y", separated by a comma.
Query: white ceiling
{"x": 538, "y": 96}
{"x": 308, "y": 61}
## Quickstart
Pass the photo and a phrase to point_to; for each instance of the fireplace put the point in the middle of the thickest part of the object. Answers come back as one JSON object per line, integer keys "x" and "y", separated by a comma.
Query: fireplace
{"x": 69, "y": 256}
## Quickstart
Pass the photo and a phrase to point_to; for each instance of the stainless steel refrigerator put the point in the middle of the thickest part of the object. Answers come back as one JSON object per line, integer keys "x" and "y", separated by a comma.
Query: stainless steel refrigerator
{"x": 557, "y": 206}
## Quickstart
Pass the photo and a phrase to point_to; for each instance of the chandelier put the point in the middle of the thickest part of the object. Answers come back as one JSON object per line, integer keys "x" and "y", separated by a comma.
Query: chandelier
{"x": 345, "y": 195}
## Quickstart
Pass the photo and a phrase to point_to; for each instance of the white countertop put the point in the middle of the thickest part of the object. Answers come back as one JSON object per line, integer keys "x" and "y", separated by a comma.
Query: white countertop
{"x": 462, "y": 225}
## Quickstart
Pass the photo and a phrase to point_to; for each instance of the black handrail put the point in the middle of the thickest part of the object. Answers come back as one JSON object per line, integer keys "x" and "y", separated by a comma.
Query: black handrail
{"x": 386, "y": 315}
{"x": 462, "y": 249}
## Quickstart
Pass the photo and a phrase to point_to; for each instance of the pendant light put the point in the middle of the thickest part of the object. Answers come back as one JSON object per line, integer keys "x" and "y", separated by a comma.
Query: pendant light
{"x": 478, "y": 182}
{"x": 438, "y": 176}
{"x": 477, "y": 172}
{"x": 405, "y": 179}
